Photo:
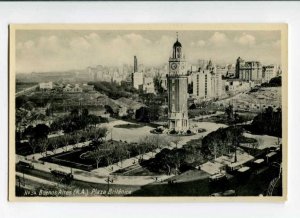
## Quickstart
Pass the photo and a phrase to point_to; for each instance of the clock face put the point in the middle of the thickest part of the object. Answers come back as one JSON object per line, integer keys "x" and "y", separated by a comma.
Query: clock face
{"x": 173, "y": 66}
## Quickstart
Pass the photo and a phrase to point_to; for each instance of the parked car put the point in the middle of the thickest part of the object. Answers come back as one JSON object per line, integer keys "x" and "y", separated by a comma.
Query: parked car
{"x": 229, "y": 193}
{"x": 25, "y": 163}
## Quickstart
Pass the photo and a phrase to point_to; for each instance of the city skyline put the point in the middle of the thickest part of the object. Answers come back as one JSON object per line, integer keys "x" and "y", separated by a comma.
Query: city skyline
{"x": 61, "y": 50}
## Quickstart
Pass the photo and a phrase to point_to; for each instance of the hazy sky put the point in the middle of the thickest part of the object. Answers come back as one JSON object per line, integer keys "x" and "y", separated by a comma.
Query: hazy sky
{"x": 58, "y": 50}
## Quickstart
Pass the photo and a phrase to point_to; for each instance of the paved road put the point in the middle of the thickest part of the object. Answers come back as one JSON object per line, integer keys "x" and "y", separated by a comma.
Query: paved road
{"x": 25, "y": 91}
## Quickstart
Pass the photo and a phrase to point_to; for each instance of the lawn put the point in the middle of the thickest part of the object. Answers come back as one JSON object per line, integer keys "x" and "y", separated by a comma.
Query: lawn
{"x": 72, "y": 159}
{"x": 135, "y": 170}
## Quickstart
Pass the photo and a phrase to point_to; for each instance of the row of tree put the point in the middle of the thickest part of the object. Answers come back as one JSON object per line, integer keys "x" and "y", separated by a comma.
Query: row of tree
{"x": 274, "y": 82}
{"x": 43, "y": 144}
{"x": 113, "y": 151}
{"x": 114, "y": 90}
{"x": 175, "y": 161}
{"x": 224, "y": 141}
{"x": 268, "y": 122}
{"x": 76, "y": 120}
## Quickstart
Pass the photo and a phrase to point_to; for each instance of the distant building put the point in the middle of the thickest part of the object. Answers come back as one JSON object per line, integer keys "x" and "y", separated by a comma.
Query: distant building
{"x": 137, "y": 77}
{"x": 72, "y": 88}
{"x": 48, "y": 85}
{"x": 269, "y": 72}
{"x": 222, "y": 70}
{"x": 87, "y": 88}
{"x": 95, "y": 73}
{"x": 248, "y": 70}
{"x": 138, "y": 80}
{"x": 164, "y": 82}
{"x": 207, "y": 82}
{"x": 148, "y": 85}
{"x": 237, "y": 85}
{"x": 177, "y": 90}
{"x": 135, "y": 65}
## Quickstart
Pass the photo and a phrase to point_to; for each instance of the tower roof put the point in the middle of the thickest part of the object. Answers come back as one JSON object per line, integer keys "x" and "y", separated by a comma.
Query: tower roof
{"x": 177, "y": 43}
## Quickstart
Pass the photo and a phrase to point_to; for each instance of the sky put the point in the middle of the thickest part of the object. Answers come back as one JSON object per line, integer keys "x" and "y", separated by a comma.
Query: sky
{"x": 62, "y": 50}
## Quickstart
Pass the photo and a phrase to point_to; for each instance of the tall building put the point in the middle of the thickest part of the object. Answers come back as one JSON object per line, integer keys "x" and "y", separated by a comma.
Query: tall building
{"x": 135, "y": 65}
{"x": 177, "y": 90}
{"x": 269, "y": 72}
{"x": 137, "y": 80}
{"x": 148, "y": 85}
{"x": 207, "y": 82}
{"x": 248, "y": 70}
{"x": 137, "y": 77}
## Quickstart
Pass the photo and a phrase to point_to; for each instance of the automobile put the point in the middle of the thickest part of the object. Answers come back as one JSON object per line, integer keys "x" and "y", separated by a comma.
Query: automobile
{"x": 66, "y": 177}
{"x": 244, "y": 169}
{"x": 259, "y": 161}
{"x": 229, "y": 193}
{"x": 272, "y": 148}
{"x": 200, "y": 130}
{"x": 216, "y": 177}
{"x": 217, "y": 194}
{"x": 270, "y": 156}
{"x": 26, "y": 164}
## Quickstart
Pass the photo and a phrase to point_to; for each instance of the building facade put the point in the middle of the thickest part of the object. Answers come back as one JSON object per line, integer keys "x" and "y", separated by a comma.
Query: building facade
{"x": 269, "y": 72}
{"x": 148, "y": 85}
{"x": 207, "y": 82}
{"x": 48, "y": 85}
{"x": 248, "y": 70}
{"x": 138, "y": 80}
{"x": 177, "y": 82}
{"x": 233, "y": 86}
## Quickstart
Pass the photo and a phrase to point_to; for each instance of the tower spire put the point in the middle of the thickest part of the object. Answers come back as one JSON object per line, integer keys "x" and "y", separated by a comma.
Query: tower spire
{"x": 177, "y": 36}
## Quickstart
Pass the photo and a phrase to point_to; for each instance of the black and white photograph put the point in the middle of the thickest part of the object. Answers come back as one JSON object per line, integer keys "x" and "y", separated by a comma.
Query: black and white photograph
{"x": 166, "y": 111}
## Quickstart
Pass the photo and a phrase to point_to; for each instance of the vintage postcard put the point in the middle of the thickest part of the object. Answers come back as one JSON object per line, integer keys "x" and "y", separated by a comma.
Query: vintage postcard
{"x": 179, "y": 112}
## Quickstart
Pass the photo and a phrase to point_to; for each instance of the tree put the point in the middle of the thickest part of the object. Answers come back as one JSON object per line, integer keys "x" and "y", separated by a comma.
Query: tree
{"x": 76, "y": 137}
{"x": 229, "y": 112}
{"x": 141, "y": 150}
{"x": 268, "y": 122}
{"x": 107, "y": 153}
{"x": 41, "y": 131}
{"x": 158, "y": 84}
{"x": 85, "y": 112}
{"x": 33, "y": 144}
{"x": 164, "y": 158}
{"x": 75, "y": 112}
{"x": 97, "y": 155}
{"x": 176, "y": 140}
{"x": 29, "y": 132}
{"x": 100, "y": 134}
{"x": 120, "y": 153}
{"x": 153, "y": 112}
{"x": 54, "y": 144}
{"x": 65, "y": 142}
{"x": 142, "y": 114}
{"x": 43, "y": 145}
{"x": 177, "y": 161}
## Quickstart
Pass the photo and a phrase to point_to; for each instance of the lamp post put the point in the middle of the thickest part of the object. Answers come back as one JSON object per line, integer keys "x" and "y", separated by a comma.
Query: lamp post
{"x": 108, "y": 180}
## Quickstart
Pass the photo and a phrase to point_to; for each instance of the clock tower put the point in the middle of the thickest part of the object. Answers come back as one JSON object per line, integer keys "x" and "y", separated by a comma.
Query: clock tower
{"x": 177, "y": 91}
